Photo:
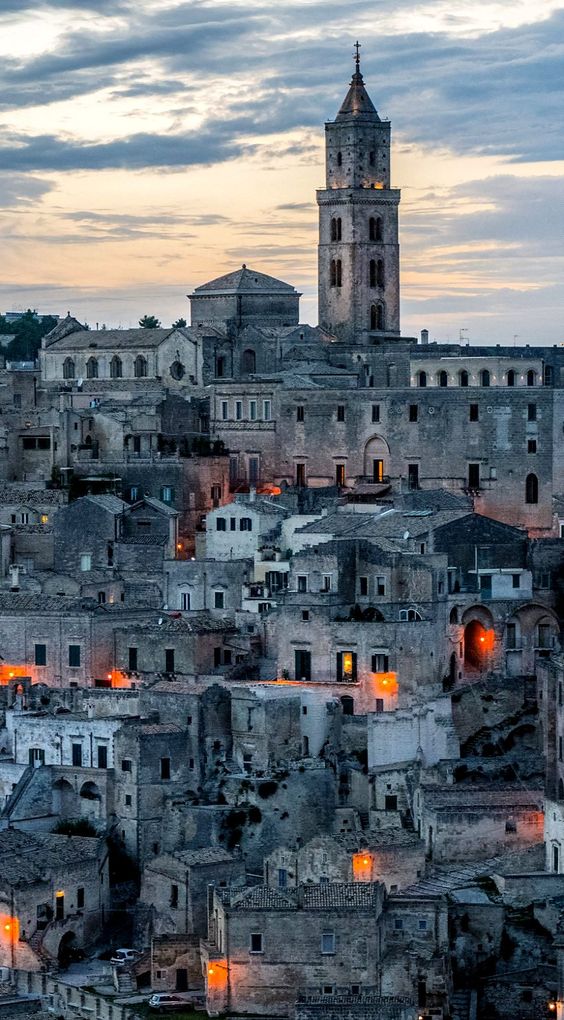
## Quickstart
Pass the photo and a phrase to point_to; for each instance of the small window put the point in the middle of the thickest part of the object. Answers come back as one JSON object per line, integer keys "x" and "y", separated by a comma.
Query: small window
{"x": 101, "y": 598}
{"x": 77, "y": 755}
{"x": 219, "y": 600}
{"x": 363, "y": 585}
{"x": 531, "y": 412}
{"x": 463, "y": 378}
{"x": 300, "y": 412}
{"x": 398, "y": 924}
{"x": 80, "y": 897}
{"x": 169, "y": 660}
{"x": 267, "y": 410}
{"x": 422, "y": 925}
{"x": 328, "y": 943}
{"x": 531, "y": 377}
{"x": 40, "y": 655}
{"x": 102, "y": 754}
{"x": 484, "y": 377}
{"x": 167, "y": 494}
{"x": 531, "y": 446}
{"x": 239, "y": 410}
{"x": 511, "y": 377}
{"x": 380, "y": 662}
{"x": 302, "y": 582}
{"x": 220, "y": 524}
{"x": 474, "y": 413}
{"x": 340, "y": 412}
{"x": 326, "y": 582}
{"x": 422, "y": 380}
{"x": 516, "y": 580}
{"x": 245, "y": 524}
{"x": 174, "y": 895}
{"x": 442, "y": 379}
{"x": 531, "y": 489}
{"x": 473, "y": 476}
{"x": 85, "y": 562}
{"x": 305, "y": 615}
{"x": 224, "y": 410}
{"x": 375, "y": 412}
{"x": 74, "y": 656}
{"x": 282, "y": 878}
{"x": 256, "y": 942}
{"x": 253, "y": 410}
{"x": 165, "y": 768}
{"x": 412, "y": 477}
{"x": 126, "y": 765}
{"x": 380, "y": 585}
{"x": 128, "y": 800}
{"x": 413, "y": 412}
{"x": 132, "y": 659}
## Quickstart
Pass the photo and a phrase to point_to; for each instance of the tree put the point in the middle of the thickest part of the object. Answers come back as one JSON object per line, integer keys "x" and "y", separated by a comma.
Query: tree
{"x": 179, "y": 324}
{"x": 27, "y": 331}
{"x": 149, "y": 322}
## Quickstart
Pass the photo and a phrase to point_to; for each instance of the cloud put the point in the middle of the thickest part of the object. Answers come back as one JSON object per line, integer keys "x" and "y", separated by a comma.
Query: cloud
{"x": 22, "y": 190}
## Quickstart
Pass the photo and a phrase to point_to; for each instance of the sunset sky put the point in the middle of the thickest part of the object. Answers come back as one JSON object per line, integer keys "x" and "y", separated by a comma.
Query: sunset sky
{"x": 150, "y": 145}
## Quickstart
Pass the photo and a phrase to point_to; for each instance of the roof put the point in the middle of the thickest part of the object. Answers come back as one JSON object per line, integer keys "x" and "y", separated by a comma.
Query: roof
{"x": 204, "y": 857}
{"x": 391, "y": 523}
{"x": 195, "y": 623}
{"x": 325, "y": 896}
{"x": 157, "y": 504}
{"x": 245, "y": 281}
{"x": 12, "y": 496}
{"x": 27, "y": 857}
{"x": 357, "y": 103}
{"x": 114, "y": 339}
{"x": 106, "y": 501}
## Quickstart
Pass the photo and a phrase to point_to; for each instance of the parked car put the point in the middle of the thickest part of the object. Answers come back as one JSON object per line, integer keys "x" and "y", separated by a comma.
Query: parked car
{"x": 123, "y": 956}
{"x": 165, "y": 1002}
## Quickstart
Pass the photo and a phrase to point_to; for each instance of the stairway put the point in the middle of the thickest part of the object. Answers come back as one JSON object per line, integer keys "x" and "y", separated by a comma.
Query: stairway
{"x": 125, "y": 983}
{"x": 460, "y": 1004}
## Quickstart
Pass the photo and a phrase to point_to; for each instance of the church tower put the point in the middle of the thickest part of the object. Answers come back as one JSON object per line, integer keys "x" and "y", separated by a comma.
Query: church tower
{"x": 358, "y": 224}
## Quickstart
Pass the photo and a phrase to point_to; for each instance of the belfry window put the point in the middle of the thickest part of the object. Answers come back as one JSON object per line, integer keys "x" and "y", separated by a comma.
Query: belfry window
{"x": 376, "y": 272}
{"x": 336, "y": 272}
{"x": 531, "y": 489}
{"x": 336, "y": 228}
{"x": 377, "y": 317}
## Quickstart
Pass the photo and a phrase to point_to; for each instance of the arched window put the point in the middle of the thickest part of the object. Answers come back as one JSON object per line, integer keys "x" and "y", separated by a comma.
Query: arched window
{"x": 511, "y": 377}
{"x": 372, "y": 158}
{"x": 339, "y": 159}
{"x": 453, "y": 618}
{"x": 463, "y": 378}
{"x": 422, "y": 379}
{"x": 92, "y": 368}
{"x": 380, "y": 273}
{"x": 336, "y": 228}
{"x": 116, "y": 369}
{"x": 442, "y": 378}
{"x": 377, "y": 316}
{"x": 140, "y": 367}
{"x": 248, "y": 362}
{"x": 531, "y": 377}
{"x": 336, "y": 272}
{"x": 373, "y": 273}
{"x": 375, "y": 228}
{"x": 531, "y": 489}
{"x": 484, "y": 377}
{"x": 68, "y": 368}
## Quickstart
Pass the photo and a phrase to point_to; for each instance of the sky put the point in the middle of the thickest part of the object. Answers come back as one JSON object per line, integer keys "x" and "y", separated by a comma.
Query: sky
{"x": 147, "y": 146}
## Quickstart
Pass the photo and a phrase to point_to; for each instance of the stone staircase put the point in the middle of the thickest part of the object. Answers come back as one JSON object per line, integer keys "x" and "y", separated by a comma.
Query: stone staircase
{"x": 125, "y": 983}
{"x": 460, "y": 1004}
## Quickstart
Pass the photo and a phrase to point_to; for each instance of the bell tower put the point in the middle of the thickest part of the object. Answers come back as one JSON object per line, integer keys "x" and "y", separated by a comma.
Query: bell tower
{"x": 358, "y": 261}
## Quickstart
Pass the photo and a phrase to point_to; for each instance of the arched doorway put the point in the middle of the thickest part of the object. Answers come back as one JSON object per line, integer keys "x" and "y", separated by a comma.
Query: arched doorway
{"x": 478, "y": 645}
{"x": 90, "y": 800}
{"x": 64, "y": 799}
{"x": 69, "y": 950}
{"x": 376, "y": 459}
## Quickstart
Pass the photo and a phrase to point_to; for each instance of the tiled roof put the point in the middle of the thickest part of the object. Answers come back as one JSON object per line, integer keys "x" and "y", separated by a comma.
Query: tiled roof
{"x": 13, "y": 496}
{"x": 108, "y": 502}
{"x": 352, "y": 895}
{"x": 114, "y": 339}
{"x": 264, "y": 897}
{"x": 26, "y": 858}
{"x": 390, "y": 524}
{"x": 245, "y": 281}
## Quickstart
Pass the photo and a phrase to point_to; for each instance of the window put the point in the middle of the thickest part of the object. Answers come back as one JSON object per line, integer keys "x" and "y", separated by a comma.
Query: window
{"x": 300, "y": 412}
{"x": 326, "y": 582}
{"x": 101, "y": 598}
{"x": 282, "y": 878}
{"x": 254, "y": 470}
{"x": 473, "y": 476}
{"x": 305, "y": 615}
{"x": 92, "y": 368}
{"x": 126, "y": 765}
{"x": 422, "y": 379}
{"x": 409, "y": 616}
{"x": 185, "y": 601}
{"x": 412, "y": 477}
{"x": 511, "y": 377}
{"x": 336, "y": 228}
{"x": 398, "y": 924}
{"x": 246, "y": 524}
{"x": 442, "y": 379}
{"x": 422, "y": 925}
{"x": 340, "y": 412}
{"x": 256, "y": 942}
{"x": 346, "y": 667}
{"x": 132, "y": 659}
{"x": 224, "y": 410}
{"x": 531, "y": 446}
{"x": 302, "y": 582}
{"x": 233, "y": 524}
{"x": 239, "y": 410}
{"x": 253, "y": 410}
{"x": 220, "y": 524}
{"x": 169, "y": 660}
{"x": 36, "y": 756}
{"x": 511, "y": 635}
{"x": 328, "y": 943}
{"x": 544, "y": 636}
{"x": 140, "y": 367}
{"x": 380, "y": 662}
{"x": 102, "y": 755}
{"x": 516, "y": 580}
{"x": 77, "y": 755}
{"x": 74, "y": 655}
{"x": 300, "y": 475}
{"x": 380, "y": 585}
{"x": 413, "y": 412}
{"x": 474, "y": 412}
{"x": 85, "y": 562}
{"x": 377, "y": 470}
{"x": 80, "y": 897}
{"x": 531, "y": 412}
{"x": 219, "y": 600}
{"x": 174, "y": 895}
{"x": 340, "y": 477}
{"x": 375, "y": 228}
{"x": 165, "y": 768}
{"x": 267, "y": 410}
{"x": 59, "y": 906}
{"x": 339, "y": 163}
{"x": 167, "y": 494}
{"x": 68, "y": 368}
{"x": 363, "y": 585}
{"x": 248, "y": 362}
{"x": 484, "y": 377}
{"x": 531, "y": 489}
{"x": 336, "y": 271}
{"x": 116, "y": 368}
{"x": 531, "y": 377}
{"x": 463, "y": 378}
{"x": 219, "y": 366}
{"x": 40, "y": 655}
{"x": 375, "y": 412}
{"x": 377, "y": 318}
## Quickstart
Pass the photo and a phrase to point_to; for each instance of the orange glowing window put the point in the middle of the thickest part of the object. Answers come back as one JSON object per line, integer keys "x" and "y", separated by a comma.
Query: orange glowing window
{"x": 9, "y": 928}
{"x": 362, "y": 866}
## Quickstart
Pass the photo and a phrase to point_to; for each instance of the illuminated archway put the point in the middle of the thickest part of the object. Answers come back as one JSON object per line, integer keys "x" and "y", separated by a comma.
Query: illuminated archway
{"x": 478, "y": 645}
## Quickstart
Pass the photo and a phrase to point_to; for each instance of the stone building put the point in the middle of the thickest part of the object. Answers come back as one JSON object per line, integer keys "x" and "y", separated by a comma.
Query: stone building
{"x": 177, "y": 886}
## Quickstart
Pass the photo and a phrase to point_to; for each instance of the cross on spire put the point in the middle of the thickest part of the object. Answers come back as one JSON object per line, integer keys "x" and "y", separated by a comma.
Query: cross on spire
{"x": 357, "y": 56}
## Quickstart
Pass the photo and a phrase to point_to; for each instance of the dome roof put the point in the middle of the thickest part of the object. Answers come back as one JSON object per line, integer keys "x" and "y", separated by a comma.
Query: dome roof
{"x": 245, "y": 281}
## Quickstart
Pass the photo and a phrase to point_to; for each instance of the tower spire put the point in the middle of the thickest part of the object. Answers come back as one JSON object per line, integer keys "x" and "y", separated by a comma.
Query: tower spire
{"x": 357, "y": 56}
